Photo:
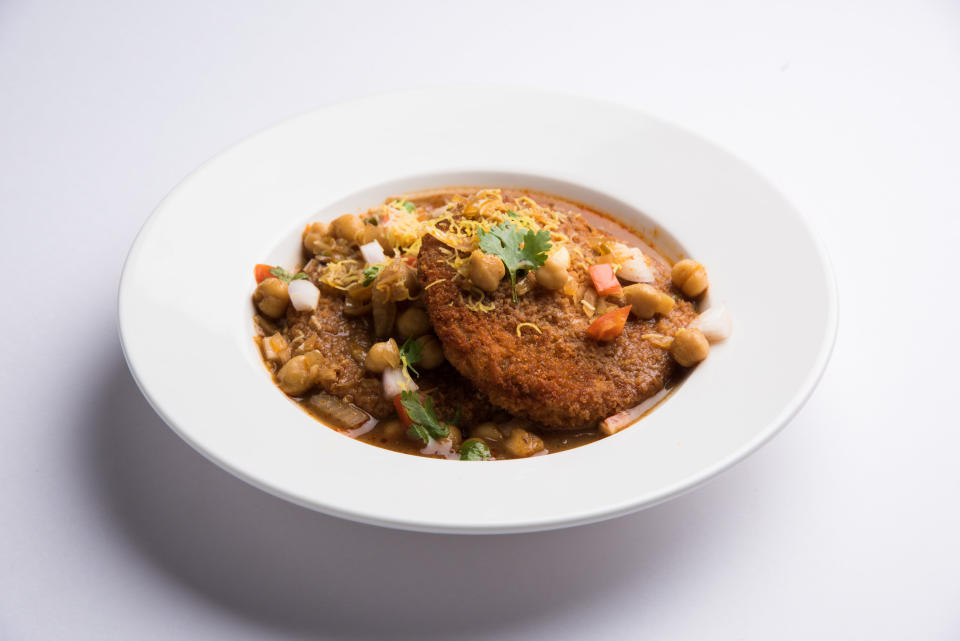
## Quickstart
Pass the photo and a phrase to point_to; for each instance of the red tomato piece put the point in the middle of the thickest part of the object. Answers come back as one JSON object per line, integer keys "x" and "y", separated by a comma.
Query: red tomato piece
{"x": 604, "y": 280}
{"x": 261, "y": 272}
{"x": 610, "y": 325}
{"x": 402, "y": 412}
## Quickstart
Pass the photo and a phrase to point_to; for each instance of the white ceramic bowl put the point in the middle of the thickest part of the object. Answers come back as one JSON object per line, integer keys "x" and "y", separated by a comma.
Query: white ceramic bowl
{"x": 185, "y": 313}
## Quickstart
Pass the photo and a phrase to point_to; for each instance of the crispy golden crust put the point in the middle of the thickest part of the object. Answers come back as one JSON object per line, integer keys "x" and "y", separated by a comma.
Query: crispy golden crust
{"x": 559, "y": 378}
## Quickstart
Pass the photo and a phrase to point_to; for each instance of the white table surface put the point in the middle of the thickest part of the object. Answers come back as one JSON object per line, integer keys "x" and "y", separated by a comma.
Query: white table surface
{"x": 845, "y": 526}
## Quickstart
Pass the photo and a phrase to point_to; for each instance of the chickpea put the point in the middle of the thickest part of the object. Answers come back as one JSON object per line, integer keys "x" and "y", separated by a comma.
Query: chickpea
{"x": 690, "y": 277}
{"x": 392, "y": 429}
{"x": 431, "y": 352}
{"x": 646, "y": 300}
{"x": 303, "y": 372}
{"x": 486, "y": 271}
{"x": 316, "y": 238}
{"x": 349, "y": 227}
{"x": 553, "y": 275}
{"x": 413, "y": 322}
{"x": 487, "y": 432}
{"x": 454, "y": 438}
{"x": 689, "y": 347}
{"x": 382, "y": 355}
{"x": 521, "y": 443}
{"x": 271, "y": 297}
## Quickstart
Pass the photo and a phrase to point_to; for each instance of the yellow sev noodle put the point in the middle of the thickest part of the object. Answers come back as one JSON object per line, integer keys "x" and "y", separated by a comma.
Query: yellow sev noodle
{"x": 436, "y": 282}
{"x": 530, "y": 325}
{"x": 458, "y": 224}
{"x": 342, "y": 274}
{"x": 474, "y": 301}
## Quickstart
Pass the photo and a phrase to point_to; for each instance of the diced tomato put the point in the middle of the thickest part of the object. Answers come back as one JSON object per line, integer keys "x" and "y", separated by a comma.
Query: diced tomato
{"x": 610, "y": 325}
{"x": 402, "y": 412}
{"x": 411, "y": 260}
{"x": 604, "y": 280}
{"x": 261, "y": 272}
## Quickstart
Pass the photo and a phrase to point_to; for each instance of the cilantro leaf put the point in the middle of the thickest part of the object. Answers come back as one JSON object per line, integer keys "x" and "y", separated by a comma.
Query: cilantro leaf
{"x": 419, "y": 431}
{"x": 410, "y": 354}
{"x": 422, "y": 414}
{"x": 285, "y": 276}
{"x": 404, "y": 204}
{"x": 475, "y": 450}
{"x": 370, "y": 274}
{"x": 518, "y": 248}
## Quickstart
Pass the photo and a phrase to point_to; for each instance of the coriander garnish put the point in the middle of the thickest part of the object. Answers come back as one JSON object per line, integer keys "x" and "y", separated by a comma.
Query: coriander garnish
{"x": 423, "y": 417}
{"x": 475, "y": 450}
{"x": 519, "y": 249}
{"x": 410, "y": 354}
{"x": 285, "y": 276}
{"x": 370, "y": 274}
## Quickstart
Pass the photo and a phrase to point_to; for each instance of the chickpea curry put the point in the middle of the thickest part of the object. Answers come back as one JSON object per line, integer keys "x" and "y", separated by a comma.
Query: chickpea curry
{"x": 481, "y": 324}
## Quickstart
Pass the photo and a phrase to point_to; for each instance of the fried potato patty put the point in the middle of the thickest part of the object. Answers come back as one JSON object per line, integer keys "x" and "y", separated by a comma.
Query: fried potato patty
{"x": 557, "y": 377}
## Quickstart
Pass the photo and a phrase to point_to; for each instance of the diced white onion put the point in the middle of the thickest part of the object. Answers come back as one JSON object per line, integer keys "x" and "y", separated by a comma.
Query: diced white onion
{"x": 620, "y": 420}
{"x": 715, "y": 323}
{"x": 633, "y": 264}
{"x": 304, "y": 295}
{"x": 396, "y": 380}
{"x": 363, "y": 429}
{"x": 636, "y": 270}
{"x": 373, "y": 253}
{"x": 273, "y": 346}
{"x": 443, "y": 447}
{"x": 560, "y": 258}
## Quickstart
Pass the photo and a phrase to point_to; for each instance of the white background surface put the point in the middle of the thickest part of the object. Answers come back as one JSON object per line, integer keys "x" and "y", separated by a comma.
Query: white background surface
{"x": 846, "y": 526}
